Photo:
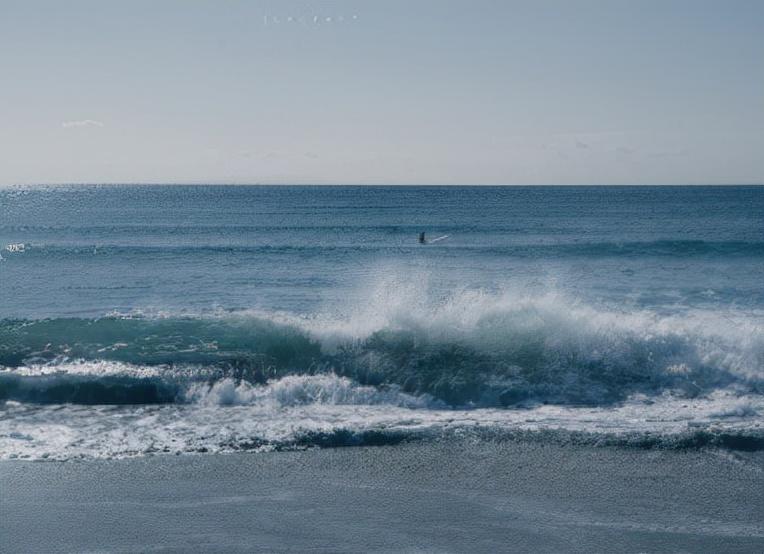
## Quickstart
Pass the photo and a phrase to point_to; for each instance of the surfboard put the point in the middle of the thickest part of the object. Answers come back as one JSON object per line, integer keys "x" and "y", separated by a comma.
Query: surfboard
{"x": 437, "y": 239}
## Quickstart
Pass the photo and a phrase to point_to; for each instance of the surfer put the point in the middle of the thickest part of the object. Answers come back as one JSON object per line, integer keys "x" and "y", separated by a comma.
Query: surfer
{"x": 423, "y": 240}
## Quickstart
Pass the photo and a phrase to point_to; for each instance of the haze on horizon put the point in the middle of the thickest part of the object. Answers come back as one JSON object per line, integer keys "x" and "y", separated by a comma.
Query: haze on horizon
{"x": 394, "y": 92}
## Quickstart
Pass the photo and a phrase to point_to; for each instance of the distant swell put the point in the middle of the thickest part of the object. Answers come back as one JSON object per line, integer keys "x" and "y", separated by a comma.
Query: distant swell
{"x": 556, "y": 250}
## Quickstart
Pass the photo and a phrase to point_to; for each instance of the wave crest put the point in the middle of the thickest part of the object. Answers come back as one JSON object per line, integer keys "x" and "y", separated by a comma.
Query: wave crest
{"x": 297, "y": 390}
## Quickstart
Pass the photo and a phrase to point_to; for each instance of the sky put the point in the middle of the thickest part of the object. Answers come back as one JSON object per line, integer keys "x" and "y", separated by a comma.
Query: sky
{"x": 384, "y": 92}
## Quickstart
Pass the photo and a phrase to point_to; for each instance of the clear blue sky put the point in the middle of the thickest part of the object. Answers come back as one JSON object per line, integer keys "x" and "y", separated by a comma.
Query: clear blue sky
{"x": 495, "y": 92}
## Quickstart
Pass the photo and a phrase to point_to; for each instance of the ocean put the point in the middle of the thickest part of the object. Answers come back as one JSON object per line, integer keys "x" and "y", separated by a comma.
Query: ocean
{"x": 146, "y": 320}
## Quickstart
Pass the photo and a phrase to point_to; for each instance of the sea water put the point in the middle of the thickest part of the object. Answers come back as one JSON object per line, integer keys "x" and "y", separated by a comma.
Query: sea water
{"x": 168, "y": 319}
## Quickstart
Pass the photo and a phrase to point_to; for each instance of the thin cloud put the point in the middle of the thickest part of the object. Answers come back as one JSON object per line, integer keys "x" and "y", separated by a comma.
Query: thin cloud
{"x": 82, "y": 123}
{"x": 668, "y": 154}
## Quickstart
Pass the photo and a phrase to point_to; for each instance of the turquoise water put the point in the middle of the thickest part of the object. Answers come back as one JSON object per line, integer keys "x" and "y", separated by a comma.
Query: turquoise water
{"x": 293, "y": 312}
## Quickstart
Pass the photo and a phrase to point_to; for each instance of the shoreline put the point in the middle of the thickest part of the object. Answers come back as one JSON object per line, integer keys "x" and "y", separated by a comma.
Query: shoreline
{"x": 469, "y": 495}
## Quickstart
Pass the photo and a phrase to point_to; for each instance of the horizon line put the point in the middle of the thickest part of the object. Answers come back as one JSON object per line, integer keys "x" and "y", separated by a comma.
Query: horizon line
{"x": 309, "y": 184}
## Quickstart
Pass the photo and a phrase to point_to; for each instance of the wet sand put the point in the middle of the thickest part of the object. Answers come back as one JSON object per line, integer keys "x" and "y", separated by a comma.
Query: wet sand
{"x": 463, "y": 497}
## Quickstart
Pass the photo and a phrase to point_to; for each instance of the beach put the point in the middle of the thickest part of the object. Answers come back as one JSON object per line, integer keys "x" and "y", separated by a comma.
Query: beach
{"x": 469, "y": 496}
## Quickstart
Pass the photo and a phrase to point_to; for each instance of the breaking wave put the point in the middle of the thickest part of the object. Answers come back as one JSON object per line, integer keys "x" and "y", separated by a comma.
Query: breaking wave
{"x": 330, "y": 411}
{"x": 100, "y": 383}
{"x": 471, "y": 349}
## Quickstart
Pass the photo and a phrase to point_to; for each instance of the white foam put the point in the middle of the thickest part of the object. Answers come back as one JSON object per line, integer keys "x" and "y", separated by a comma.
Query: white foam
{"x": 295, "y": 390}
{"x": 226, "y": 417}
{"x": 87, "y": 368}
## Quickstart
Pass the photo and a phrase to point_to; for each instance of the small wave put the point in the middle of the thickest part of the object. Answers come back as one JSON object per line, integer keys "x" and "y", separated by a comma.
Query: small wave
{"x": 295, "y": 390}
{"x": 750, "y": 440}
{"x": 94, "y": 383}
